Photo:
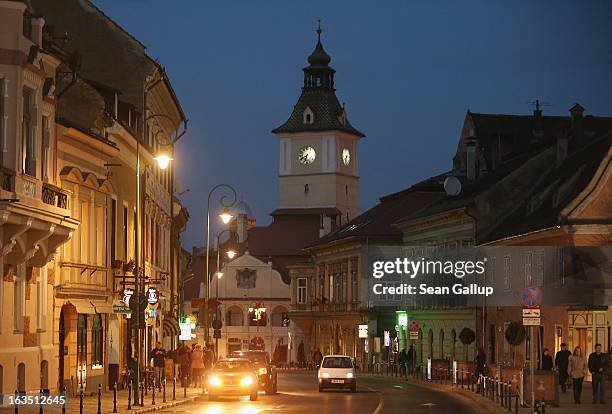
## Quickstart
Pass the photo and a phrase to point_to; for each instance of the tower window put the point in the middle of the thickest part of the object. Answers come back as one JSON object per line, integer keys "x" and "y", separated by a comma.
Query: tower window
{"x": 306, "y": 189}
{"x": 308, "y": 116}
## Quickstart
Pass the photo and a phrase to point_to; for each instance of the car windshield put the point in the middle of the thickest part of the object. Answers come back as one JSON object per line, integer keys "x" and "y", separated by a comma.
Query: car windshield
{"x": 337, "y": 362}
{"x": 255, "y": 357}
{"x": 233, "y": 365}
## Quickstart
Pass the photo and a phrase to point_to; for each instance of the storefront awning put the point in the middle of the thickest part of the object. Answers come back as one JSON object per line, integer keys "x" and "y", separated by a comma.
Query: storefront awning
{"x": 171, "y": 327}
{"x": 103, "y": 307}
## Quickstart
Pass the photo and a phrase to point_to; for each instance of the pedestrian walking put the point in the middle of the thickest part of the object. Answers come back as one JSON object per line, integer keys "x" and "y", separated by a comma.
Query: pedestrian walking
{"x": 401, "y": 360}
{"x": 577, "y": 370}
{"x": 561, "y": 362}
{"x": 597, "y": 367}
{"x": 546, "y": 362}
{"x": 317, "y": 357}
{"x": 410, "y": 359}
{"x": 159, "y": 362}
{"x": 197, "y": 366}
{"x": 481, "y": 365}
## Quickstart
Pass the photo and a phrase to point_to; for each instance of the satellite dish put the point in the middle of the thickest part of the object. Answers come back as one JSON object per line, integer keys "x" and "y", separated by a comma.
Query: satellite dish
{"x": 452, "y": 185}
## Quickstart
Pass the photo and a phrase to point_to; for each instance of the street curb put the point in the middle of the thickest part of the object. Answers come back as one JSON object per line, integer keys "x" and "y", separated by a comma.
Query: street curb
{"x": 163, "y": 406}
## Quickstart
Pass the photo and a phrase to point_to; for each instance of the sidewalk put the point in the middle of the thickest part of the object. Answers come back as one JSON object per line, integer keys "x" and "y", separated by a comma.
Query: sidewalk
{"x": 485, "y": 405}
{"x": 90, "y": 402}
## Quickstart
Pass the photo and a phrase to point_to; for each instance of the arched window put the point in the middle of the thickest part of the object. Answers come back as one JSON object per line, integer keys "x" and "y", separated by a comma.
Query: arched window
{"x": 441, "y": 346}
{"x": 279, "y": 316}
{"x": 308, "y": 116}
{"x": 431, "y": 343}
{"x": 234, "y": 316}
{"x": 44, "y": 376}
{"x": 21, "y": 379}
{"x": 306, "y": 188}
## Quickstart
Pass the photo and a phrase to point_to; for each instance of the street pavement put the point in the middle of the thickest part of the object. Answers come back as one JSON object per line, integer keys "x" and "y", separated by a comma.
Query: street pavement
{"x": 298, "y": 393}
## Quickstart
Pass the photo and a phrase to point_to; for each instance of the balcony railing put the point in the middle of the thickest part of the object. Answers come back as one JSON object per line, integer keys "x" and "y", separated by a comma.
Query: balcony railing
{"x": 328, "y": 307}
{"x": 54, "y": 196}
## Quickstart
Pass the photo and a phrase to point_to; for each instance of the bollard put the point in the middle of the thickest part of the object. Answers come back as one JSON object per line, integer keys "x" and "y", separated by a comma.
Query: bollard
{"x": 81, "y": 400}
{"x": 164, "y": 390}
{"x": 462, "y": 379}
{"x": 99, "y": 399}
{"x": 40, "y": 411}
{"x": 174, "y": 388}
{"x": 64, "y": 404}
{"x": 115, "y": 397}
{"x": 16, "y": 405}
{"x": 184, "y": 391}
{"x": 153, "y": 393}
{"x": 142, "y": 393}
{"x": 129, "y": 395}
{"x": 509, "y": 386}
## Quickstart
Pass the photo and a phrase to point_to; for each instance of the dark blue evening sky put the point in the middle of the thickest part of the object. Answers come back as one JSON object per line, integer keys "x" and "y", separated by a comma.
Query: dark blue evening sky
{"x": 408, "y": 72}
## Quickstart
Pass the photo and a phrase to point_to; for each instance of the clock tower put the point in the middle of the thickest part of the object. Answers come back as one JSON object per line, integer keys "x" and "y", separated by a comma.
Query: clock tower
{"x": 318, "y": 168}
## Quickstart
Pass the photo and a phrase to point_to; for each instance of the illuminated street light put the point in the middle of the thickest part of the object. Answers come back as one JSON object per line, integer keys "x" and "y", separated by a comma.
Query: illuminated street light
{"x": 163, "y": 160}
{"x": 226, "y": 216}
{"x": 231, "y": 254}
{"x": 219, "y": 276}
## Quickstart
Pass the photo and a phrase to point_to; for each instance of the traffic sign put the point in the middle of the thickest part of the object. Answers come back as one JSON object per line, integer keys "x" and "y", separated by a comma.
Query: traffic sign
{"x": 217, "y": 324}
{"x": 414, "y": 335}
{"x": 531, "y": 296}
{"x": 414, "y": 325}
{"x": 531, "y": 317}
{"x": 217, "y": 334}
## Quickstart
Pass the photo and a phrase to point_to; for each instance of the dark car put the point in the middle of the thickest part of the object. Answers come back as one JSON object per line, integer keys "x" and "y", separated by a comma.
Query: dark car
{"x": 232, "y": 376}
{"x": 268, "y": 378}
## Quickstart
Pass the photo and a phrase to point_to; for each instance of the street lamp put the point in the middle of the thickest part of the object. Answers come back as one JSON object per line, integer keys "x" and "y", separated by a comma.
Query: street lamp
{"x": 226, "y": 216}
{"x": 163, "y": 160}
{"x": 230, "y": 254}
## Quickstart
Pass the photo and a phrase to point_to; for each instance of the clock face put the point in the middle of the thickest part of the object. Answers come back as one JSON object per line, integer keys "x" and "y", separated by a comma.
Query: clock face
{"x": 307, "y": 155}
{"x": 346, "y": 156}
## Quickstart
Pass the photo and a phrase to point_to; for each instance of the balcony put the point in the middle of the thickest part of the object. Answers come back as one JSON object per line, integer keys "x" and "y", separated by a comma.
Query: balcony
{"x": 54, "y": 196}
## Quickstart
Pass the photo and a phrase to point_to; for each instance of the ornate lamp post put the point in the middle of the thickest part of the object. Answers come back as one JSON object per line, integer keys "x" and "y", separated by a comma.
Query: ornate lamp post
{"x": 225, "y": 217}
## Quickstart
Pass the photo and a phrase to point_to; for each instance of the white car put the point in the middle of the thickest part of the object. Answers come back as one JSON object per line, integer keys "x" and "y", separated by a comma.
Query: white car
{"x": 337, "y": 371}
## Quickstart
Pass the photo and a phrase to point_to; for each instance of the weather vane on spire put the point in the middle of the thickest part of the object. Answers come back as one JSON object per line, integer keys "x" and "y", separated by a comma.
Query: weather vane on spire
{"x": 319, "y": 30}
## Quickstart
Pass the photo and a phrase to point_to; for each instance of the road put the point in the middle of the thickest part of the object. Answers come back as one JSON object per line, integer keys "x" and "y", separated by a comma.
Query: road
{"x": 298, "y": 393}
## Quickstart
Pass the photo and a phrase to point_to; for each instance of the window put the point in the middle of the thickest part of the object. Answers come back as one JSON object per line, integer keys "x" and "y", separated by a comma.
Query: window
{"x": 81, "y": 348}
{"x": 113, "y": 236}
{"x": 528, "y": 268}
{"x": 100, "y": 235}
{"x": 246, "y": 278}
{"x": 2, "y": 120}
{"x": 97, "y": 341}
{"x": 19, "y": 301}
{"x": 539, "y": 268}
{"x": 331, "y": 288}
{"x": 278, "y": 316}
{"x": 27, "y": 25}
{"x": 234, "y": 316}
{"x": 125, "y": 233}
{"x": 561, "y": 266}
{"x": 301, "y": 290}
{"x": 41, "y": 299}
{"x": 507, "y": 272}
{"x": 308, "y": 116}
{"x": 306, "y": 189}
{"x": 84, "y": 228}
{"x": 27, "y": 135}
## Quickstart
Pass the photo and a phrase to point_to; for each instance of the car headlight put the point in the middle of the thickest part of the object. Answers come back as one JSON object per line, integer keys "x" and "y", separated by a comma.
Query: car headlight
{"x": 246, "y": 381}
{"x": 214, "y": 380}
{"x": 263, "y": 371}
{"x": 324, "y": 375}
{"x": 349, "y": 375}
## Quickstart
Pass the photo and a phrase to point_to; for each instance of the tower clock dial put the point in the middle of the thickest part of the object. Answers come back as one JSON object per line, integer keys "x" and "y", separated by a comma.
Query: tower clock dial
{"x": 346, "y": 156}
{"x": 307, "y": 155}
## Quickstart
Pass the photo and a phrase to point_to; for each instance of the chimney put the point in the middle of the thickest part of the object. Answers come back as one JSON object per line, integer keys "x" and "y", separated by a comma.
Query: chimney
{"x": 470, "y": 152}
{"x": 538, "y": 129}
{"x": 576, "y": 113}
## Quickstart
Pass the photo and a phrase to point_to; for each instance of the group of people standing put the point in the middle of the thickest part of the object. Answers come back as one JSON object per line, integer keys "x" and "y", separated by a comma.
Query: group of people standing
{"x": 575, "y": 366}
{"x": 405, "y": 360}
{"x": 194, "y": 363}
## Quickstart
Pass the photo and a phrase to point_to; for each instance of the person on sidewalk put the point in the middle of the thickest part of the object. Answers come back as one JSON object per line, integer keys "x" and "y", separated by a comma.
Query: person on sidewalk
{"x": 577, "y": 369}
{"x": 546, "y": 362}
{"x": 561, "y": 362}
{"x": 597, "y": 366}
{"x": 410, "y": 357}
{"x": 317, "y": 357}
{"x": 197, "y": 365}
{"x": 481, "y": 366}
{"x": 159, "y": 360}
{"x": 401, "y": 360}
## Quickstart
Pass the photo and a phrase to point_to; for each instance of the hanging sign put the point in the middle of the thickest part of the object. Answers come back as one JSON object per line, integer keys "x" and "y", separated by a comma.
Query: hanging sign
{"x": 363, "y": 331}
{"x": 152, "y": 296}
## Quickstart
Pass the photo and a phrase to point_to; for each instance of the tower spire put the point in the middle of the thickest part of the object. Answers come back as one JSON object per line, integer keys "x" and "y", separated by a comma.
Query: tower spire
{"x": 319, "y": 30}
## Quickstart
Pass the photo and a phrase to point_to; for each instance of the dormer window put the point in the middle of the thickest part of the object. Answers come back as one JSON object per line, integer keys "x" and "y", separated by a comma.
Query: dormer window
{"x": 308, "y": 116}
